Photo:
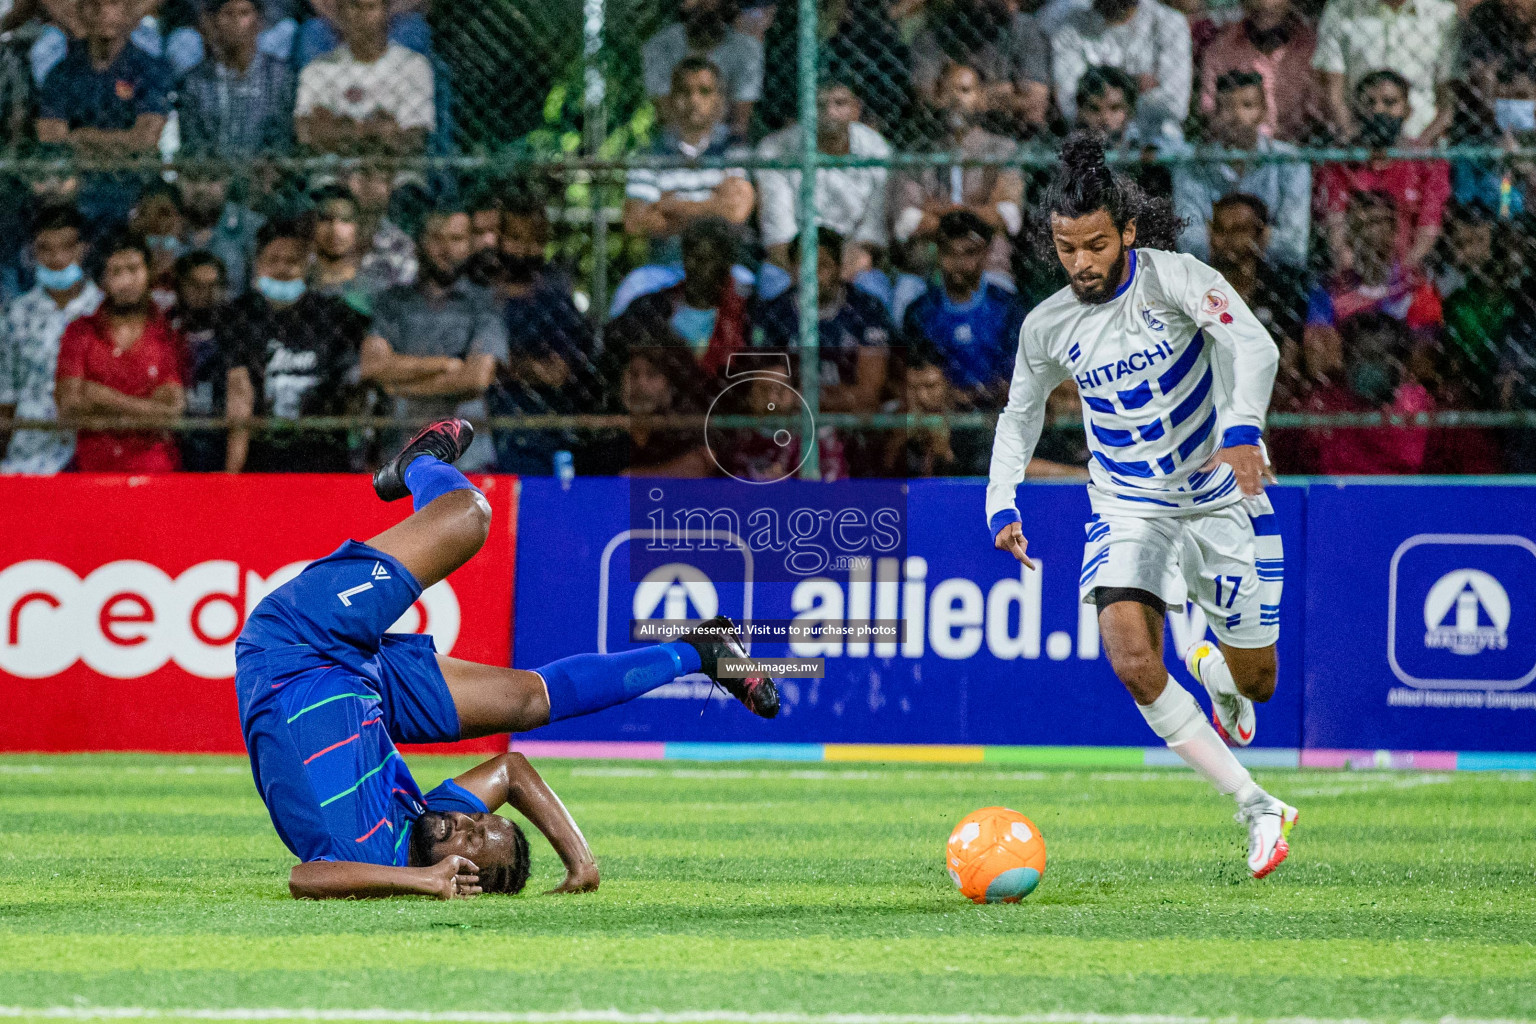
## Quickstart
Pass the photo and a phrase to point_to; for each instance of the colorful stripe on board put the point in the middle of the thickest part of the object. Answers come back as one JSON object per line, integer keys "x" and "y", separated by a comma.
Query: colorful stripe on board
{"x": 1024, "y": 756}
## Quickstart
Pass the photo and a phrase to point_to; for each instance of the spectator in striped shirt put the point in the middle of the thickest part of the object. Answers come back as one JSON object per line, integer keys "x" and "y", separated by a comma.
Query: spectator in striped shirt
{"x": 238, "y": 103}
{"x": 660, "y": 202}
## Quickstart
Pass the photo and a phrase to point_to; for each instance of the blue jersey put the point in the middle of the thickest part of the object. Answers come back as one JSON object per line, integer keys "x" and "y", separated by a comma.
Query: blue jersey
{"x": 974, "y": 341}
{"x": 324, "y": 696}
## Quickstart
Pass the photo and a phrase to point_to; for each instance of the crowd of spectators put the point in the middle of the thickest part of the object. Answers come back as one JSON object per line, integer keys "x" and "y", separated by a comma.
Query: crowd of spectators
{"x": 1398, "y": 283}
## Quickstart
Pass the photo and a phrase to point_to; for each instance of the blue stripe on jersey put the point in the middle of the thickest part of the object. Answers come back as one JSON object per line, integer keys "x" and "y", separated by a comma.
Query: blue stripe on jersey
{"x": 1166, "y": 464}
{"x": 1099, "y": 404}
{"x": 1198, "y": 478}
{"x": 1192, "y": 401}
{"x": 1233, "y": 621}
{"x": 1141, "y": 469}
{"x": 1220, "y": 492}
{"x": 1266, "y": 525}
{"x": 1151, "y": 431}
{"x": 1097, "y": 529}
{"x": 1137, "y": 397}
{"x": 1074, "y": 353}
{"x": 1149, "y": 501}
{"x": 1196, "y": 439}
{"x": 1093, "y": 566}
{"x": 1182, "y": 365}
{"x": 1112, "y": 437}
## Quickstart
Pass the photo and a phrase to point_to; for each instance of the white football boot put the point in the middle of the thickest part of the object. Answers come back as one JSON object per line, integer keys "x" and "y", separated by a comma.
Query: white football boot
{"x": 1231, "y": 712}
{"x": 1269, "y": 824}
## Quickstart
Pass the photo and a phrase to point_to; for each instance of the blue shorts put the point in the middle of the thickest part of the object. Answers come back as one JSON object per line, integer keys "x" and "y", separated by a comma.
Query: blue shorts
{"x": 325, "y": 694}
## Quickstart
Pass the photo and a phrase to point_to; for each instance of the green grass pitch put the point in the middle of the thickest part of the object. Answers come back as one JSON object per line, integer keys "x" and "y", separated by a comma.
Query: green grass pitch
{"x": 157, "y": 882}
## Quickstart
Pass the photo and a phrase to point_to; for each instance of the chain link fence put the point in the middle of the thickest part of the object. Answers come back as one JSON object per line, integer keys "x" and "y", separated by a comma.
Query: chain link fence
{"x": 626, "y": 291}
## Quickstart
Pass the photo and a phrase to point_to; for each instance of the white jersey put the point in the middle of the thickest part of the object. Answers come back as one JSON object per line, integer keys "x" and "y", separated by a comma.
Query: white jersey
{"x": 1170, "y": 366}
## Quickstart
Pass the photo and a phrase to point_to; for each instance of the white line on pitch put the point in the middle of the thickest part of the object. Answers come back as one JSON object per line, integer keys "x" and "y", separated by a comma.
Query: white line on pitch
{"x": 667, "y": 1017}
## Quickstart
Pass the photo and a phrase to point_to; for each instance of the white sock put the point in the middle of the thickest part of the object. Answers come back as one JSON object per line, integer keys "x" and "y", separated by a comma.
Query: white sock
{"x": 1215, "y": 673}
{"x": 1179, "y": 720}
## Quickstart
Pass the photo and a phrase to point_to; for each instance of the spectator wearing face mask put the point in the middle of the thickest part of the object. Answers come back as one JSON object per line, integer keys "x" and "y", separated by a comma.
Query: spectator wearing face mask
{"x": 294, "y": 353}
{"x": 29, "y": 349}
{"x": 1419, "y": 188}
{"x": 1414, "y": 38}
{"x": 201, "y": 286}
{"x": 921, "y": 196}
{"x": 705, "y": 31}
{"x": 1143, "y": 38}
{"x": 446, "y": 316}
{"x": 1274, "y": 41}
{"x": 1285, "y": 187}
{"x": 158, "y": 219}
{"x": 124, "y": 361}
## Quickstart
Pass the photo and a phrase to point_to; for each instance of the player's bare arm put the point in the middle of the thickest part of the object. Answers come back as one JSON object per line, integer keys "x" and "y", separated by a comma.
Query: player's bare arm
{"x": 510, "y": 779}
{"x": 354, "y": 880}
{"x": 1248, "y": 465}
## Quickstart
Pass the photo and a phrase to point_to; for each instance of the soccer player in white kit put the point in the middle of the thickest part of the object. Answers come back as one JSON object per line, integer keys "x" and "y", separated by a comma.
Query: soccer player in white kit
{"x": 1175, "y": 374}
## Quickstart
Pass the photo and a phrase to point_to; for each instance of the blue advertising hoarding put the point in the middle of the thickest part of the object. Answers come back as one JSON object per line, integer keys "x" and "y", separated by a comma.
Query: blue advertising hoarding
{"x": 1421, "y": 617}
{"x": 992, "y": 654}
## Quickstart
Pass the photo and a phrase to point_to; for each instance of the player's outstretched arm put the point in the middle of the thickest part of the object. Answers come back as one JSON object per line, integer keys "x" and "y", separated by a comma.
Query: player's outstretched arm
{"x": 353, "y": 880}
{"x": 510, "y": 779}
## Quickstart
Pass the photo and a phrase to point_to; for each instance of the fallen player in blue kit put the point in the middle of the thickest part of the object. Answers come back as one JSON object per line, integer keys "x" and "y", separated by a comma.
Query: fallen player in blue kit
{"x": 325, "y": 694}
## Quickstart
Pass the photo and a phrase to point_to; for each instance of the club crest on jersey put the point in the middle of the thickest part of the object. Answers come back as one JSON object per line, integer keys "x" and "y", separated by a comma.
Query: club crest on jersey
{"x": 1214, "y": 302}
{"x": 1152, "y": 322}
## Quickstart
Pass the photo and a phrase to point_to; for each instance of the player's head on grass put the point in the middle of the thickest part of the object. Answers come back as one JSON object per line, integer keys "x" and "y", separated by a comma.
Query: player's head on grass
{"x": 1097, "y": 216}
{"x": 496, "y": 846}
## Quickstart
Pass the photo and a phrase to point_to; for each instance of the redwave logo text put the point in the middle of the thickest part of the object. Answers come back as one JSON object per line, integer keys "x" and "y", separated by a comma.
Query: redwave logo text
{"x": 129, "y": 618}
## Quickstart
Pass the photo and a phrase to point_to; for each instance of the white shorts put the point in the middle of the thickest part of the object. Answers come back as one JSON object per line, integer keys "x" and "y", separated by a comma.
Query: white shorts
{"x": 1228, "y": 561}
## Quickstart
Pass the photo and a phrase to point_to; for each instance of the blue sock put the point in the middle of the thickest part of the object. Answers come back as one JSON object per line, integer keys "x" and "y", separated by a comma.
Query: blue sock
{"x": 429, "y": 477}
{"x": 590, "y": 682}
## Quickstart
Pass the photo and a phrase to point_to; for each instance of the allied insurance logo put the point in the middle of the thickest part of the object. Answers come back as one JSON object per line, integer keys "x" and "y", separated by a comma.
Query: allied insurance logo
{"x": 1462, "y": 612}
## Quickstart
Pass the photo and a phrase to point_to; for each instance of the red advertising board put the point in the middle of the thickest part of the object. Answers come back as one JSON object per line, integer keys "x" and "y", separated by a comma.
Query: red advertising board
{"x": 121, "y": 597}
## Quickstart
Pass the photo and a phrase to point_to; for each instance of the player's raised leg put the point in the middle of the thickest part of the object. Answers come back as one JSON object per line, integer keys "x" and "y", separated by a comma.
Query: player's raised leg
{"x": 451, "y": 518}
{"x": 491, "y": 700}
{"x": 450, "y": 523}
{"x": 1234, "y": 566}
{"x": 1131, "y": 626}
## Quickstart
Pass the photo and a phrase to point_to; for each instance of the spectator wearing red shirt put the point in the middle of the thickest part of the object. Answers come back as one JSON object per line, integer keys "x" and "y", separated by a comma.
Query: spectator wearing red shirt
{"x": 1375, "y": 377}
{"x": 1274, "y": 40}
{"x": 1419, "y": 188}
{"x": 125, "y": 362}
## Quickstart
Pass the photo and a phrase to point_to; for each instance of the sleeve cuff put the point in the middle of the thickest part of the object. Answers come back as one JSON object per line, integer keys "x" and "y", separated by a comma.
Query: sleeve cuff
{"x": 1003, "y": 518}
{"x": 1234, "y": 436}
